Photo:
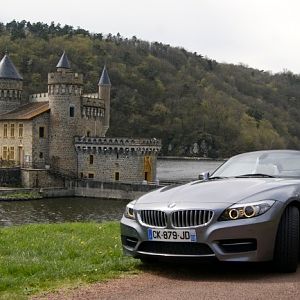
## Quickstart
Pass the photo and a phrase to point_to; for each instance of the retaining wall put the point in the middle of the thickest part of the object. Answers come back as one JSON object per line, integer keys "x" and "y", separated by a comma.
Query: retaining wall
{"x": 10, "y": 176}
{"x": 112, "y": 190}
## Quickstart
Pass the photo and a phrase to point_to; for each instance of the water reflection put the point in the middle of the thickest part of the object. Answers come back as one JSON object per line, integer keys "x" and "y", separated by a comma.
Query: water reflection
{"x": 58, "y": 210}
{"x": 168, "y": 170}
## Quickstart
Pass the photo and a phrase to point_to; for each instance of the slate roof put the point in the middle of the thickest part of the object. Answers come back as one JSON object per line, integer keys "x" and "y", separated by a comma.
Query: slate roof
{"x": 64, "y": 62}
{"x": 8, "y": 70}
{"x": 27, "y": 111}
{"x": 104, "y": 79}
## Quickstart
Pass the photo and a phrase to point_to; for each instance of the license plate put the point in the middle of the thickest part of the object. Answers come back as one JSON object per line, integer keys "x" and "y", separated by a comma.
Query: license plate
{"x": 171, "y": 235}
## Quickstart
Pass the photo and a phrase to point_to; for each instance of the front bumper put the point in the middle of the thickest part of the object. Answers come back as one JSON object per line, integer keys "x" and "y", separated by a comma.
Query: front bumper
{"x": 242, "y": 240}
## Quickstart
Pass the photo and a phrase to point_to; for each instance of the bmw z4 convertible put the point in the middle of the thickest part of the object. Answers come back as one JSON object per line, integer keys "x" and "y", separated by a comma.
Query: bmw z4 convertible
{"x": 247, "y": 211}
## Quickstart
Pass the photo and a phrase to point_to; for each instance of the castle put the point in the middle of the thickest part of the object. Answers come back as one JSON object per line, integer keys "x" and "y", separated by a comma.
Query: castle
{"x": 62, "y": 133}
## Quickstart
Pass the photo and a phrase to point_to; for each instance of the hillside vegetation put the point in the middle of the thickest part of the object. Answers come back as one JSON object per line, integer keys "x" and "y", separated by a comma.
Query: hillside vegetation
{"x": 196, "y": 105}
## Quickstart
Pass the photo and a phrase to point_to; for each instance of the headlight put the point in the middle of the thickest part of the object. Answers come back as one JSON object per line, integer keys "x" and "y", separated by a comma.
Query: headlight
{"x": 247, "y": 210}
{"x": 129, "y": 212}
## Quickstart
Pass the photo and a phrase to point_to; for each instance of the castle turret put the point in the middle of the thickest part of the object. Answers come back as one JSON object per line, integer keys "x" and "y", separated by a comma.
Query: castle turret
{"x": 11, "y": 85}
{"x": 104, "y": 93}
{"x": 64, "y": 90}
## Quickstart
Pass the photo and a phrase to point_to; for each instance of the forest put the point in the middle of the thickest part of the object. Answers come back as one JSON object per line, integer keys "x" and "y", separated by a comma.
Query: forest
{"x": 195, "y": 105}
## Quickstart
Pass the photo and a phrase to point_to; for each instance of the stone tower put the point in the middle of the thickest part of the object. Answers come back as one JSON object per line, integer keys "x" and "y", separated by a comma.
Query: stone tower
{"x": 104, "y": 94}
{"x": 64, "y": 92}
{"x": 11, "y": 85}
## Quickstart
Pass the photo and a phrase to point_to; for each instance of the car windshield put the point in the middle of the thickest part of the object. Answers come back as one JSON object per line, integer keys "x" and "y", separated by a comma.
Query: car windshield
{"x": 261, "y": 164}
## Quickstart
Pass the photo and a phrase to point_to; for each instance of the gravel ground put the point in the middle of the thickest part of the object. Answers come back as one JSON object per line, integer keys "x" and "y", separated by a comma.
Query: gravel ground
{"x": 197, "y": 281}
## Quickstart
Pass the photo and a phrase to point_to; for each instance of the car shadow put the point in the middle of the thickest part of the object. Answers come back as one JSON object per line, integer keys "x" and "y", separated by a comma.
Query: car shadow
{"x": 219, "y": 271}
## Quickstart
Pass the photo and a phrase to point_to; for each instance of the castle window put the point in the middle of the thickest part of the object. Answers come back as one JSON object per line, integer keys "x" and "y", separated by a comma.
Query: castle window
{"x": 81, "y": 175}
{"x": 4, "y": 153}
{"x": 12, "y": 130}
{"x": 91, "y": 159}
{"x": 88, "y": 134}
{"x": 117, "y": 176}
{"x": 11, "y": 153}
{"x": 5, "y": 130}
{"x": 91, "y": 175}
{"x": 42, "y": 132}
{"x": 72, "y": 111}
{"x": 20, "y": 130}
{"x": 41, "y": 155}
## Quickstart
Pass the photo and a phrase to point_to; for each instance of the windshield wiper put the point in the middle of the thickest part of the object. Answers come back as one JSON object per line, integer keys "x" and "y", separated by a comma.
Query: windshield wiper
{"x": 255, "y": 175}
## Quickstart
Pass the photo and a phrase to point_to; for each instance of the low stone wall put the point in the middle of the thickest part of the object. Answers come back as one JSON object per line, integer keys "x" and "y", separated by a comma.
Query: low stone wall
{"x": 57, "y": 192}
{"x": 10, "y": 177}
{"x": 111, "y": 190}
{"x": 33, "y": 178}
{"x": 83, "y": 188}
{"x": 12, "y": 194}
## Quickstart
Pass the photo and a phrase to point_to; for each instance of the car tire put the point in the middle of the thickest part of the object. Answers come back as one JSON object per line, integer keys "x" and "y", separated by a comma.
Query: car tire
{"x": 286, "y": 252}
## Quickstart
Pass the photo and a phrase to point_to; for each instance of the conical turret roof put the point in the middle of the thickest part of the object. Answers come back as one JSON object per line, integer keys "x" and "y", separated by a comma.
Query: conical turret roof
{"x": 8, "y": 69}
{"x": 64, "y": 62}
{"x": 104, "y": 79}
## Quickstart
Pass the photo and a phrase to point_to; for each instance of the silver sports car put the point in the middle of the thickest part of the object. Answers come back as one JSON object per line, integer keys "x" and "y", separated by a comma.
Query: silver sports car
{"x": 247, "y": 210}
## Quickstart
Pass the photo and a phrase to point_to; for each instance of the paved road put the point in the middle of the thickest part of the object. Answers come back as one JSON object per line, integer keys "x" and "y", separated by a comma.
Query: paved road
{"x": 198, "y": 281}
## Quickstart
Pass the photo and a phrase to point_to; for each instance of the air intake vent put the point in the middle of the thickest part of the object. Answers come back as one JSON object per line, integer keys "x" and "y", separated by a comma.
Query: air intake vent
{"x": 175, "y": 248}
{"x": 188, "y": 218}
{"x": 154, "y": 218}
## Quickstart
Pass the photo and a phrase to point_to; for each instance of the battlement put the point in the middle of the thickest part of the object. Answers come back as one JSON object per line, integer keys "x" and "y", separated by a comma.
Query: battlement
{"x": 92, "y": 101}
{"x": 7, "y": 84}
{"x": 40, "y": 97}
{"x": 91, "y": 95}
{"x": 65, "y": 78}
{"x": 117, "y": 145}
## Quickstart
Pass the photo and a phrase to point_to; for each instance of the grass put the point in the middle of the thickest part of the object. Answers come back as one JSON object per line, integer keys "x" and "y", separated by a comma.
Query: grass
{"x": 36, "y": 258}
{"x": 21, "y": 195}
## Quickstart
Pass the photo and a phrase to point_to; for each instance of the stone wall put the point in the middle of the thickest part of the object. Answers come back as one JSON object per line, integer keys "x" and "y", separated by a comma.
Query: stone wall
{"x": 117, "y": 159}
{"x": 112, "y": 190}
{"x": 40, "y": 146}
{"x": 104, "y": 93}
{"x": 10, "y": 94}
{"x": 33, "y": 178}
{"x": 105, "y": 166}
{"x": 40, "y": 97}
{"x": 10, "y": 177}
{"x": 63, "y": 128}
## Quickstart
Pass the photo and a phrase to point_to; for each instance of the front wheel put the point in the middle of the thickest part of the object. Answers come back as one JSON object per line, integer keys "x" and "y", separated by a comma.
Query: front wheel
{"x": 286, "y": 251}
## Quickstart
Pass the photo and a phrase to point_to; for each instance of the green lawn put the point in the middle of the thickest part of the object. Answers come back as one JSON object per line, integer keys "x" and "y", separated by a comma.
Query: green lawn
{"x": 35, "y": 258}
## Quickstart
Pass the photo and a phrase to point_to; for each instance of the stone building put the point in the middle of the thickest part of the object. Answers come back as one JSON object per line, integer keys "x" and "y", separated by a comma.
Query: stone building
{"x": 62, "y": 133}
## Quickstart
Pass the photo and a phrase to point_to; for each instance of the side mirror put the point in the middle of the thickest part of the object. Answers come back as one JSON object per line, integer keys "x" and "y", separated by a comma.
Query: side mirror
{"x": 204, "y": 176}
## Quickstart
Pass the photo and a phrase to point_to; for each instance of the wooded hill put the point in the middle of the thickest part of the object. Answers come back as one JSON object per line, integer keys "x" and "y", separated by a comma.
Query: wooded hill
{"x": 196, "y": 105}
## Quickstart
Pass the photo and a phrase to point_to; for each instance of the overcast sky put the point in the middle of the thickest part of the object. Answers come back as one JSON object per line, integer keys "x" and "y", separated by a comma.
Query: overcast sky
{"x": 263, "y": 34}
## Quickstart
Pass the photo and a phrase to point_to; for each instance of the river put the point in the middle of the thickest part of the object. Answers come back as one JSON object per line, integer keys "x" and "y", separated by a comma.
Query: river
{"x": 58, "y": 210}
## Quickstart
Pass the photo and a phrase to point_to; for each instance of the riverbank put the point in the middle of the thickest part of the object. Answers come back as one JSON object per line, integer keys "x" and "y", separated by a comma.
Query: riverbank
{"x": 19, "y": 194}
{"x": 81, "y": 188}
{"x": 23, "y": 194}
{"x": 37, "y": 258}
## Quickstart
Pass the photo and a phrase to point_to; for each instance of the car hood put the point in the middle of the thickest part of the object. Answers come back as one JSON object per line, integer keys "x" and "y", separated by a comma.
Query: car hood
{"x": 227, "y": 191}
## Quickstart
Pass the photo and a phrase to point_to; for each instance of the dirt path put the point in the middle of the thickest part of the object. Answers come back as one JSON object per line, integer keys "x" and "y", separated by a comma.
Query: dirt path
{"x": 220, "y": 281}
